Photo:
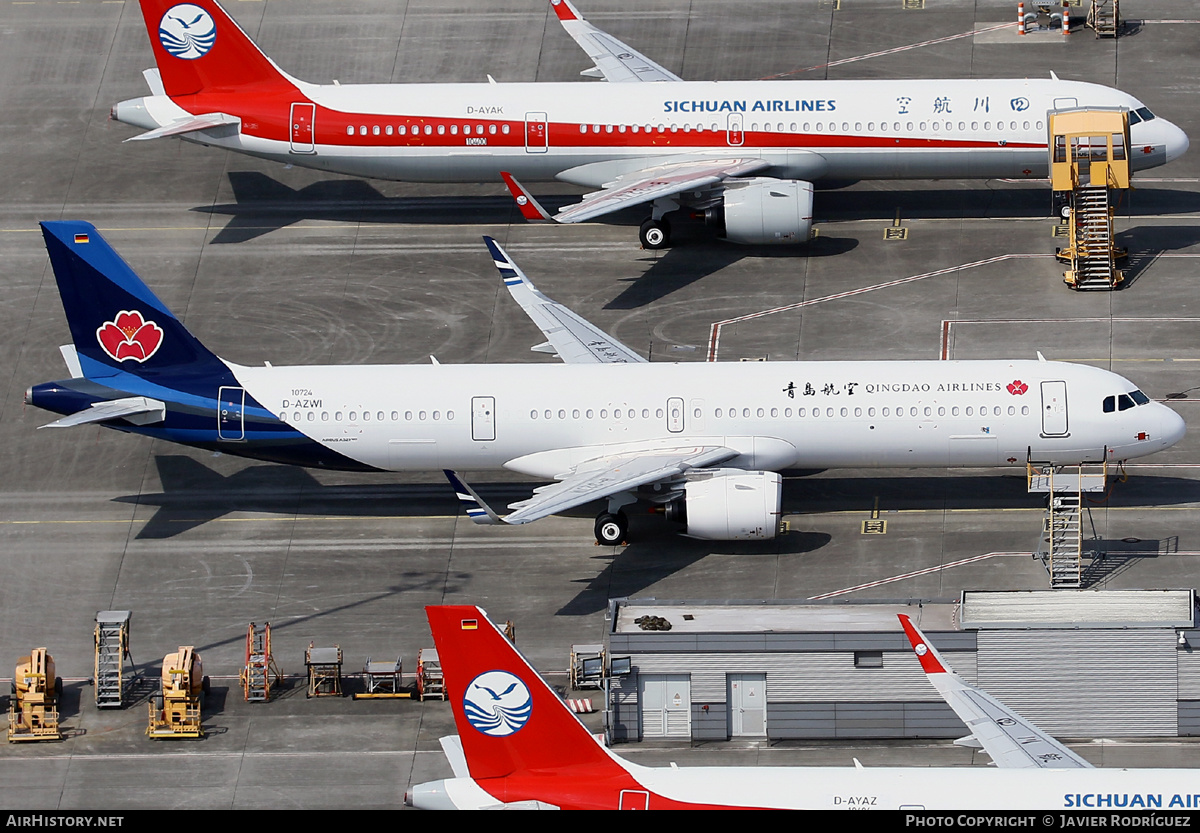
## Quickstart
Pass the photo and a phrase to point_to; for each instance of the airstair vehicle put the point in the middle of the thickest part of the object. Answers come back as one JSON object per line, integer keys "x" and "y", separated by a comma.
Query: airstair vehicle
{"x": 112, "y": 650}
{"x": 260, "y": 672}
{"x": 1061, "y": 549}
{"x": 1089, "y": 170}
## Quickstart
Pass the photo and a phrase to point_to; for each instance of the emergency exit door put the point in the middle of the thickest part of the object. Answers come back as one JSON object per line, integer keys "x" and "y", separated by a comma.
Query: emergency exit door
{"x": 303, "y": 138}
{"x": 231, "y": 404}
{"x": 1054, "y": 408}
{"x": 483, "y": 418}
{"x": 537, "y": 133}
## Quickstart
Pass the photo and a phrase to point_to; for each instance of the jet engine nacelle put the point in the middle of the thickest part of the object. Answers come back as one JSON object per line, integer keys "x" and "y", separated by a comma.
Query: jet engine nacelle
{"x": 738, "y": 506}
{"x": 769, "y": 212}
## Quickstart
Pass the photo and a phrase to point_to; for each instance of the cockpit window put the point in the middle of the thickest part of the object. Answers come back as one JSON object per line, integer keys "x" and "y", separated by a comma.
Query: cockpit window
{"x": 1139, "y": 397}
{"x": 1134, "y": 118}
{"x": 1124, "y": 402}
{"x": 1145, "y": 113}
{"x": 1110, "y": 404}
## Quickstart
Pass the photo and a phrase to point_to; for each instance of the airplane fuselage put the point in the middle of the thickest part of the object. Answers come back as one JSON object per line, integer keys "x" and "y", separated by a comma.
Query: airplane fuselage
{"x": 829, "y": 788}
{"x": 588, "y": 133}
{"x": 544, "y": 419}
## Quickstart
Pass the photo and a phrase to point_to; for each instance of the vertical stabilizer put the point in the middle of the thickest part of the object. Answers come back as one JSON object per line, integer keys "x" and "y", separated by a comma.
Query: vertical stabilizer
{"x": 116, "y": 322}
{"x": 199, "y": 48}
{"x": 511, "y": 723}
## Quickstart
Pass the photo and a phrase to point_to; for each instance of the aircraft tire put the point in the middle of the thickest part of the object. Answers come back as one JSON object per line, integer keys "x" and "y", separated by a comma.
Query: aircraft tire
{"x": 655, "y": 234}
{"x": 611, "y": 529}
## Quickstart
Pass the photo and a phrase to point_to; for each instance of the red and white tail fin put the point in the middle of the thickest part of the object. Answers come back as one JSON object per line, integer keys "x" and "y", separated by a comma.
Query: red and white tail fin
{"x": 509, "y": 720}
{"x": 199, "y": 48}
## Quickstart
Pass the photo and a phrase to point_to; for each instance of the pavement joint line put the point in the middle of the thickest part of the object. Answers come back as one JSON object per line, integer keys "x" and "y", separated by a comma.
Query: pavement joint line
{"x": 715, "y": 336}
{"x": 915, "y": 573}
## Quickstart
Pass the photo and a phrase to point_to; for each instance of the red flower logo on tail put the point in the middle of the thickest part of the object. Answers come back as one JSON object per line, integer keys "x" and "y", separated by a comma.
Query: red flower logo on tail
{"x": 1016, "y": 387}
{"x": 129, "y": 336}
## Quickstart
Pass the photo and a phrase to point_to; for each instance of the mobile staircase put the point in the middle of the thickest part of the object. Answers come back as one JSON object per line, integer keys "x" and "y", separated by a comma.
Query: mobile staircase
{"x": 1061, "y": 545}
{"x": 1089, "y": 165}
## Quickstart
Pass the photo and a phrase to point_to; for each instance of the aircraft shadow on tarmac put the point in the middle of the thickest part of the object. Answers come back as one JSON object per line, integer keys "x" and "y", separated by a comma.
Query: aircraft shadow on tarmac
{"x": 1146, "y": 244}
{"x": 982, "y": 201}
{"x": 263, "y": 205}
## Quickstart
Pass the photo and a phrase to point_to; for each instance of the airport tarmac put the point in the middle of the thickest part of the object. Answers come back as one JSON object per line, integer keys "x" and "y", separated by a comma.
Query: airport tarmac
{"x": 294, "y": 266}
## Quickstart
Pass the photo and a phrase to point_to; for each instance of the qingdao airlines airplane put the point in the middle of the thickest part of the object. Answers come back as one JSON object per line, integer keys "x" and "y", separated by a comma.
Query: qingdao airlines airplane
{"x": 704, "y": 442}
{"x": 518, "y": 747}
{"x": 742, "y": 154}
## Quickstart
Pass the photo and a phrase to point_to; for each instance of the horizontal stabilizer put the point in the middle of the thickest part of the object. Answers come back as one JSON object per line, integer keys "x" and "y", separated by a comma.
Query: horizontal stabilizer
{"x": 71, "y": 357}
{"x": 154, "y": 81}
{"x": 190, "y": 125}
{"x": 139, "y": 410}
{"x": 453, "y": 749}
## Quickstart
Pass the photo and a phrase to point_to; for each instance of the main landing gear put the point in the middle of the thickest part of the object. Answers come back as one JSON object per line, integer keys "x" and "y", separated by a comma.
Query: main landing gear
{"x": 611, "y": 528}
{"x": 655, "y": 234}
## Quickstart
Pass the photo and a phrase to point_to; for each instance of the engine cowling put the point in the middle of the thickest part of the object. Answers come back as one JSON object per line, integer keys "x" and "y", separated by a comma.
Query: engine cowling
{"x": 767, "y": 212}
{"x": 733, "y": 506}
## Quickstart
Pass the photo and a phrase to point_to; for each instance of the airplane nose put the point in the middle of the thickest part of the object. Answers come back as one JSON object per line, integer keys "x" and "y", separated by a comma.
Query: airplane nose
{"x": 1173, "y": 427}
{"x": 1176, "y": 141}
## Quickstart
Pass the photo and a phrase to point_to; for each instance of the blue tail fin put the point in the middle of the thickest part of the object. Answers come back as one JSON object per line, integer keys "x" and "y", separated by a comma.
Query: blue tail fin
{"x": 116, "y": 322}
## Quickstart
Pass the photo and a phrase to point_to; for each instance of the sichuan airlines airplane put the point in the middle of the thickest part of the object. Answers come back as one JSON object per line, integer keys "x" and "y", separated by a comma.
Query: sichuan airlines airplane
{"x": 518, "y": 747}
{"x": 702, "y": 441}
{"x": 744, "y": 154}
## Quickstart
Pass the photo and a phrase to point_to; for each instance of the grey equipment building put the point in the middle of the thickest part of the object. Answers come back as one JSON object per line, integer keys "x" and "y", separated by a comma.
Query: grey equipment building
{"x": 1076, "y": 663}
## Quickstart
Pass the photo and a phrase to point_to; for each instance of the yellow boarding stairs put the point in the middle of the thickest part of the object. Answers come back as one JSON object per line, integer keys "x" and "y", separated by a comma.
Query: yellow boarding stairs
{"x": 1089, "y": 161}
{"x": 1061, "y": 549}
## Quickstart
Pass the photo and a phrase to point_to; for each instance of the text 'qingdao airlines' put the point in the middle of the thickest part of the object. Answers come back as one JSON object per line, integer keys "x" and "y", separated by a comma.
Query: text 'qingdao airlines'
{"x": 702, "y": 442}
{"x": 742, "y": 155}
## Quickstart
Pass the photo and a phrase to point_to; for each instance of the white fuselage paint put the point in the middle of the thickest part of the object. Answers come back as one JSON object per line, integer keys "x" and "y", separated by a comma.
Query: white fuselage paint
{"x": 913, "y": 129}
{"x": 543, "y": 420}
{"x": 887, "y": 788}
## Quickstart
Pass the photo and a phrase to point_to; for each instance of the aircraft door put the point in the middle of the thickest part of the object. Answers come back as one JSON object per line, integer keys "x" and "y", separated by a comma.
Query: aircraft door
{"x": 734, "y": 133}
{"x": 483, "y": 418}
{"x": 303, "y": 140}
{"x": 674, "y": 414}
{"x": 537, "y": 133}
{"x": 1054, "y": 408}
{"x": 231, "y": 404}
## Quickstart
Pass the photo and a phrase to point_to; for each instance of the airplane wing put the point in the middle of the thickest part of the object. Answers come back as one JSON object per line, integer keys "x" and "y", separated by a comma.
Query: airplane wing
{"x": 571, "y": 338}
{"x": 138, "y": 409}
{"x": 188, "y": 125}
{"x": 1010, "y": 740}
{"x": 643, "y": 185}
{"x": 594, "y": 480}
{"x": 615, "y": 61}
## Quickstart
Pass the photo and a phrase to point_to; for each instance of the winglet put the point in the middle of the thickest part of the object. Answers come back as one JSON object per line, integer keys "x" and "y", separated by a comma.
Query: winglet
{"x": 565, "y": 10}
{"x": 476, "y": 509}
{"x": 931, "y": 660}
{"x": 530, "y": 208}
{"x": 510, "y": 273}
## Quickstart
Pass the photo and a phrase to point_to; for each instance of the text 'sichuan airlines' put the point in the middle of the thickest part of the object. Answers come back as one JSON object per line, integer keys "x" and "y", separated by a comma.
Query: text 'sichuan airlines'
{"x": 742, "y": 154}
{"x": 702, "y": 440}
